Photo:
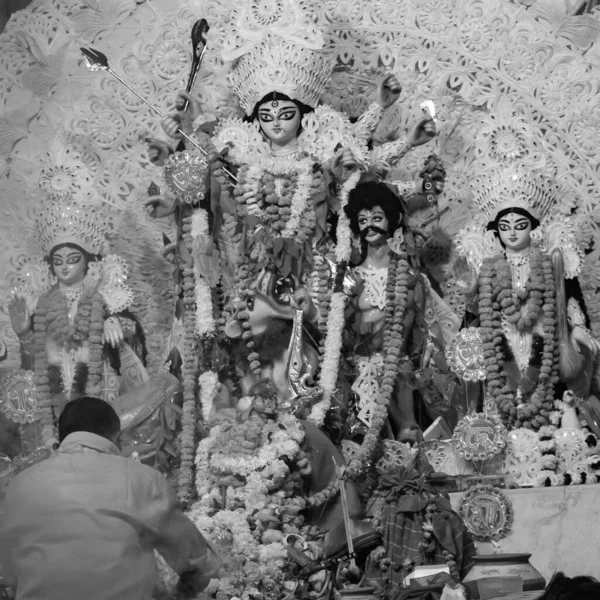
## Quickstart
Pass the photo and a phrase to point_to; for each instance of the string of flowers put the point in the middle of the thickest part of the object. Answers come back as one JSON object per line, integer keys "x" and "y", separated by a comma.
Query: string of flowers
{"x": 393, "y": 342}
{"x": 189, "y": 375}
{"x": 500, "y": 303}
{"x": 96, "y": 364}
{"x": 300, "y": 199}
{"x": 336, "y": 320}
{"x": 208, "y": 385}
{"x": 205, "y": 322}
{"x": 41, "y": 377}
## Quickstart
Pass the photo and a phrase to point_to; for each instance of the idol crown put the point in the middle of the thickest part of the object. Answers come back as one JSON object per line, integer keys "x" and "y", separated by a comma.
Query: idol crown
{"x": 515, "y": 187}
{"x": 278, "y": 65}
{"x": 276, "y": 47}
{"x": 66, "y": 221}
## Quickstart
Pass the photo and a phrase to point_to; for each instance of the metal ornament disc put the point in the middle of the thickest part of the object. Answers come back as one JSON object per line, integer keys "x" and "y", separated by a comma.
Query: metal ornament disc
{"x": 479, "y": 437}
{"x": 465, "y": 355}
{"x": 18, "y": 397}
{"x": 185, "y": 173}
{"x": 486, "y": 512}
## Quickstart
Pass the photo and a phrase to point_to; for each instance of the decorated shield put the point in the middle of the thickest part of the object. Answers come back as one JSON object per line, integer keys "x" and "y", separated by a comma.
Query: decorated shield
{"x": 18, "y": 397}
{"x": 486, "y": 512}
{"x": 465, "y": 355}
{"x": 185, "y": 173}
{"x": 479, "y": 437}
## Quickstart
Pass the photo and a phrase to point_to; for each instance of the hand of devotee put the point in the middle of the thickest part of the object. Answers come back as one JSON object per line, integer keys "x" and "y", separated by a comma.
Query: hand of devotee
{"x": 582, "y": 337}
{"x": 20, "y": 317}
{"x": 158, "y": 151}
{"x": 159, "y": 206}
{"x": 423, "y": 132}
{"x": 182, "y": 120}
{"x": 388, "y": 90}
{"x": 113, "y": 332}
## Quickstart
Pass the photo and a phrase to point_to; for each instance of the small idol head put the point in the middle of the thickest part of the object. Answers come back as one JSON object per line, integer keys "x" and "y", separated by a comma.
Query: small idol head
{"x": 374, "y": 211}
{"x": 280, "y": 118}
{"x": 514, "y": 227}
{"x": 69, "y": 263}
{"x": 373, "y": 225}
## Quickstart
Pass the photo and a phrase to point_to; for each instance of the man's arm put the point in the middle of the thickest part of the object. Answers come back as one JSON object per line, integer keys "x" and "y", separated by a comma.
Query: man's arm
{"x": 182, "y": 546}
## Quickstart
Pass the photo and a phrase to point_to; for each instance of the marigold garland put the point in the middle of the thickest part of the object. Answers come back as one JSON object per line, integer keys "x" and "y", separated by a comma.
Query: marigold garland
{"x": 336, "y": 318}
{"x": 499, "y": 301}
{"x": 393, "y": 342}
{"x": 189, "y": 369}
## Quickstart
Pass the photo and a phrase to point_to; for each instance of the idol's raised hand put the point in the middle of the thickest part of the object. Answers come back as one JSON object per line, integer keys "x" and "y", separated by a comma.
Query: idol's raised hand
{"x": 185, "y": 116}
{"x": 388, "y": 90}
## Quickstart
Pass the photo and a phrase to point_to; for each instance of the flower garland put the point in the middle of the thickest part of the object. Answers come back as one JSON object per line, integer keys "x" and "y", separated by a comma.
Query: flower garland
{"x": 500, "y": 303}
{"x": 96, "y": 330}
{"x": 208, "y": 384}
{"x": 336, "y": 319}
{"x": 248, "y": 479}
{"x": 189, "y": 369}
{"x": 393, "y": 342}
{"x": 205, "y": 321}
{"x": 51, "y": 321}
{"x": 42, "y": 380}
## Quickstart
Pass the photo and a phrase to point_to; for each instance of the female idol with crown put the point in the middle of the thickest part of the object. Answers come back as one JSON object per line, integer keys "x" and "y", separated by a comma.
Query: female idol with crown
{"x": 522, "y": 283}
{"x": 68, "y": 312}
{"x": 271, "y": 191}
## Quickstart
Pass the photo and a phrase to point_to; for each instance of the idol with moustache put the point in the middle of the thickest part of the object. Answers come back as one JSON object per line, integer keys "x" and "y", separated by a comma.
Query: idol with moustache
{"x": 375, "y": 214}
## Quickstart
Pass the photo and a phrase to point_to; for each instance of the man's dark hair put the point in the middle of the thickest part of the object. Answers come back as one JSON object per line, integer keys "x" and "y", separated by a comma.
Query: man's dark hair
{"x": 368, "y": 195}
{"x": 562, "y": 587}
{"x": 88, "y": 414}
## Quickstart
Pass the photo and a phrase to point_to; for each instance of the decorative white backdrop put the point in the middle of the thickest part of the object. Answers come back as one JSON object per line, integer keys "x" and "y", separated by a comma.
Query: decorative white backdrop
{"x": 511, "y": 81}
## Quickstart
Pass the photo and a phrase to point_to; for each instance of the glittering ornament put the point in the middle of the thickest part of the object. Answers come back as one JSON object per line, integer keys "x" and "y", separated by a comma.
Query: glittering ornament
{"x": 487, "y": 513}
{"x": 18, "y": 397}
{"x": 185, "y": 173}
{"x": 479, "y": 437}
{"x": 465, "y": 355}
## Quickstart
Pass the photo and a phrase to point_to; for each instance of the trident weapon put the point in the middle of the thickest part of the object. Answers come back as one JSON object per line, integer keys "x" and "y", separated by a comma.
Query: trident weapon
{"x": 97, "y": 61}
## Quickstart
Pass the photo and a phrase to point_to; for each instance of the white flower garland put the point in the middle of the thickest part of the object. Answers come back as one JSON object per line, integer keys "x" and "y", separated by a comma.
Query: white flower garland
{"x": 205, "y": 321}
{"x": 336, "y": 320}
{"x": 299, "y": 199}
{"x": 208, "y": 383}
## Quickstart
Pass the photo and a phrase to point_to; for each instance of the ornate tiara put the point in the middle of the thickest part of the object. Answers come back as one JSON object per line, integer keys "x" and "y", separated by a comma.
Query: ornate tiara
{"x": 65, "y": 221}
{"x": 275, "y": 50}
{"x": 280, "y": 66}
{"x": 515, "y": 187}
